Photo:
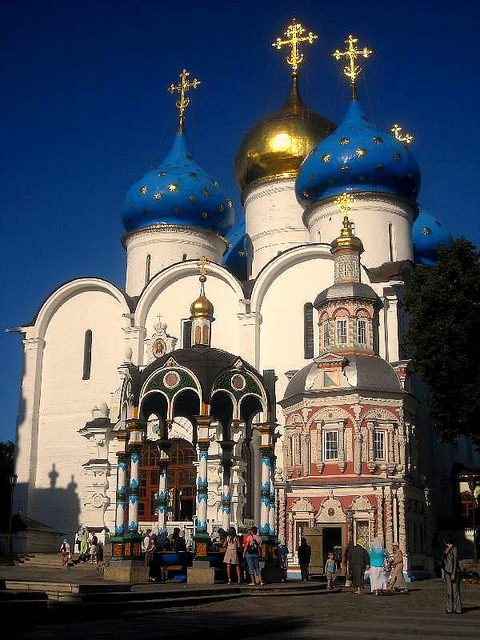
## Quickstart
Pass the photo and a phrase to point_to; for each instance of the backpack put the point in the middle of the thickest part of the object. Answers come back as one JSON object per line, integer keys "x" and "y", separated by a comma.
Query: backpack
{"x": 252, "y": 547}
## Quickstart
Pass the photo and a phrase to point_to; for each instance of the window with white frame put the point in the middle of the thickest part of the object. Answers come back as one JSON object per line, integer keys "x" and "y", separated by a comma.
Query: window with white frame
{"x": 362, "y": 331}
{"x": 330, "y": 444}
{"x": 341, "y": 331}
{"x": 379, "y": 445}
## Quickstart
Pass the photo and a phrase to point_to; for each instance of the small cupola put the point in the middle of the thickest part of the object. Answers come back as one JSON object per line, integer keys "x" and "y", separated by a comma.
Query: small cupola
{"x": 201, "y": 311}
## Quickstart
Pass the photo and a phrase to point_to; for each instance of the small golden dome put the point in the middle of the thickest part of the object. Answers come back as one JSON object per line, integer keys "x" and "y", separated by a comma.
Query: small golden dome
{"x": 346, "y": 239}
{"x": 201, "y": 307}
{"x": 275, "y": 147}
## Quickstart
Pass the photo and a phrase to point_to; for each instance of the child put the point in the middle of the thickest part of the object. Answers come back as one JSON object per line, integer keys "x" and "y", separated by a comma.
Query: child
{"x": 330, "y": 571}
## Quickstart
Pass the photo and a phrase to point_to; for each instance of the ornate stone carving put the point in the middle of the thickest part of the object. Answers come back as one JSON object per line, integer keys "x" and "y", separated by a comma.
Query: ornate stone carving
{"x": 302, "y": 504}
{"x": 331, "y": 511}
{"x": 361, "y": 503}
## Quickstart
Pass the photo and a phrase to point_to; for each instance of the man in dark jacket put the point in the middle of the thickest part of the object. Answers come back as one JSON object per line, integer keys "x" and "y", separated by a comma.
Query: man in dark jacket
{"x": 304, "y": 553}
{"x": 358, "y": 560}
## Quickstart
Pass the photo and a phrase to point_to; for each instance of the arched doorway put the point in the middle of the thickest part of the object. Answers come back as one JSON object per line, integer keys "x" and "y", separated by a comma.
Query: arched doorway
{"x": 181, "y": 481}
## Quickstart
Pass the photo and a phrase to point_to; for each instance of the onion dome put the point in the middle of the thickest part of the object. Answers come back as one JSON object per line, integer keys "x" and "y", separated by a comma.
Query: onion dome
{"x": 428, "y": 234}
{"x": 346, "y": 239}
{"x": 236, "y": 257}
{"x": 275, "y": 147}
{"x": 358, "y": 158}
{"x": 202, "y": 307}
{"x": 178, "y": 192}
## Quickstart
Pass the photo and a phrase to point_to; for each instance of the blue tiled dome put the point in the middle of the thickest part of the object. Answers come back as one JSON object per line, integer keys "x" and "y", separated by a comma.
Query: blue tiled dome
{"x": 428, "y": 234}
{"x": 356, "y": 158}
{"x": 236, "y": 257}
{"x": 178, "y": 192}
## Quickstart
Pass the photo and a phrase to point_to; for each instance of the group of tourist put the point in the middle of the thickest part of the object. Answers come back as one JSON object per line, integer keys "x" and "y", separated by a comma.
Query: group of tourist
{"x": 386, "y": 572}
{"x": 243, "y": 552}
{"x": 87, "y": 546}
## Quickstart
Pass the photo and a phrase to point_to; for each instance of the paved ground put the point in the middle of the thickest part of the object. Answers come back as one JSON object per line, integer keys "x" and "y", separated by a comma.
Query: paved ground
{"x": 339, "y": 616}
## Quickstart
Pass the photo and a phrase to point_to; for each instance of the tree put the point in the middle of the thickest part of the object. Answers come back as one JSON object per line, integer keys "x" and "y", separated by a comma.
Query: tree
{"x": 443, "y": 338}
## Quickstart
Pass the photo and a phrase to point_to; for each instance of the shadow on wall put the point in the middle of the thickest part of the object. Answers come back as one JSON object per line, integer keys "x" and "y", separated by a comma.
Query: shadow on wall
{"x": 56, "y": 507}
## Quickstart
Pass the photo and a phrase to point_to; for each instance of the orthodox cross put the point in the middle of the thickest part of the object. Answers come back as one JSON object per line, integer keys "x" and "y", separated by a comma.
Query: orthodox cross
{"x": 182, "y": 87}
{"x": 202, "y": 267}
{"x": 407, "y": 138}
{"x": 345, "y": 202}
{"x": 294, "y": 35}
{"x": 352, "y": 70}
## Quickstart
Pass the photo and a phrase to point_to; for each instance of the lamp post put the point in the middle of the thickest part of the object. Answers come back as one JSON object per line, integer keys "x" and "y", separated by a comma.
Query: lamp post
{"x": 12, "y": 479}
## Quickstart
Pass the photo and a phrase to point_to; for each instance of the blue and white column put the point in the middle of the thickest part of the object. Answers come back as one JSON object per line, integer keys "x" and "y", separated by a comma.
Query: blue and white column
{"x": 227, "y": 449}
{"x": 121, "y": 504}
{"x": 203, "y": 444}
{"x": 162, "y": 489}
{"x": 135, "y": 447}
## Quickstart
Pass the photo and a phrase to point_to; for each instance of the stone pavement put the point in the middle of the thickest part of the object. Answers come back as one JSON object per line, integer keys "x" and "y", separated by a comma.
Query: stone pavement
{"x": 336, "y": 616}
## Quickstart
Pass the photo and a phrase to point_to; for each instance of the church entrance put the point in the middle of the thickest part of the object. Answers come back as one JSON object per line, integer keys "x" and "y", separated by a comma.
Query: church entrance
{"x": 181, "y": 481}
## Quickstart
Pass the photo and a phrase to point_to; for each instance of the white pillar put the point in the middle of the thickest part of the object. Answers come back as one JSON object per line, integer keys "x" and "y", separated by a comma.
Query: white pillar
{"x": 121, "y": 506}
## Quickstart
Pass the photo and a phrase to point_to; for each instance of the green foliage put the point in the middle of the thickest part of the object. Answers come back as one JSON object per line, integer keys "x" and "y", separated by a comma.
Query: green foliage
{"x": 443, "y": 338}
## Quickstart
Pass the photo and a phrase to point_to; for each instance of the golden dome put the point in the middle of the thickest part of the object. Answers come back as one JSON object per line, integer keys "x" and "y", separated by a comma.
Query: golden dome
{"x": 275, "y": 147}
{"x": 201, "y": 307}
{"x": 346, "y": 239}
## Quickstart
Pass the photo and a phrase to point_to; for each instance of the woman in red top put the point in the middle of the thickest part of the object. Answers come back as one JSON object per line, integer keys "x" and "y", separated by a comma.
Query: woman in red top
{"x": 251, "y": 551}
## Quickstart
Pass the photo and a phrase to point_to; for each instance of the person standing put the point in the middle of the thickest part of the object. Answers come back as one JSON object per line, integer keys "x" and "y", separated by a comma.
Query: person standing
{"x": 304, "y": 554}
{"x": 65, "y": 552}
{"x": 450, "y": 574}
{"x": 331, "y": 568}
{"x": 397, "y": 581}
{"x": 378, "y": 581}
{"x": 359, "y": 562}
{"x": 251, "y": 548}
{"x": 231, "y": 555}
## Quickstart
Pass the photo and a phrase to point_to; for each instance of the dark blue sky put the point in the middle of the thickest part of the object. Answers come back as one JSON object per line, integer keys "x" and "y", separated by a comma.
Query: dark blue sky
{"x": 85, "y": 112}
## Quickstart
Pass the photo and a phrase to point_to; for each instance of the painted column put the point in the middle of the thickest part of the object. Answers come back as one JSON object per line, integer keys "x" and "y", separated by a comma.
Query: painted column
{"x": 227, "y": 449}
{"x": 135, "y": 446}
{"x": 371, "y": 458}
{"x": 121, "y": 505}
{"x": 388, "y": 518}
{"x": 380, "y": 530}
{"x": 358, "y": 451}
{"x": 266, "y": 454}
{"x": 395, "y": 516}
{"x": 341, "y": 447}
{"x": 163, "y": 447}
{"x": 203, "y": 443}
{"x": 402, "y": 530}
{"x": 272, "y": 512}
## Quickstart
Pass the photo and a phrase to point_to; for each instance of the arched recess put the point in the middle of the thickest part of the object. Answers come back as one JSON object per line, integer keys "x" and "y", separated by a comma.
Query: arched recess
{"x": 155, "y": 403}
{"x": 186, "y": 403}
{"x": 280, "y": 264}
{"x": 222, "y": 408}
{"x": 174, "y": 273}
{"x": 69, "y": 290}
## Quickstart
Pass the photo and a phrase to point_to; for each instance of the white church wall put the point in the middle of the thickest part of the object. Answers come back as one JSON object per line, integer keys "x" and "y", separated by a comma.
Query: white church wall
{"x": 273, "y": 221}
{"x": 384, "y": 225}
{"x": 66, "y": 401}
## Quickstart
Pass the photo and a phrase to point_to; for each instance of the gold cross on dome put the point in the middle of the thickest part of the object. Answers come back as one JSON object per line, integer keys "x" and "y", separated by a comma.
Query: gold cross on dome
{"x": 294, "y": 35}
{"x": 182, "y": 87}
{"x": 407, "y": 138}
{"x": 352, "y": 70}
{"x": 345, "y": 202}
{"x": 202, "y": 267}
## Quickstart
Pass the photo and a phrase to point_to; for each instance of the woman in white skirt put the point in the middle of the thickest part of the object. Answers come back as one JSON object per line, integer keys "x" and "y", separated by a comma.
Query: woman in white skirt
{"x": 231, "y": 554}
{"x": 378, "y": 577}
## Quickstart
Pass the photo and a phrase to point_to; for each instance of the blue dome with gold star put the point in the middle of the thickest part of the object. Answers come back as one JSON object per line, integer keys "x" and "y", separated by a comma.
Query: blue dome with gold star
{"x": 358, "y": 158}
{"x": 178, "y": 192}
{"x": 428, "y": 233}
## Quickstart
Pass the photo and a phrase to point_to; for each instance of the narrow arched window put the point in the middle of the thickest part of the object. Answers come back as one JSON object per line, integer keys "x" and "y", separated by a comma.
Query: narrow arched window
{"x": 87, "y": 355}
{"x": 392, "y": 249}
{"x": 148, "y": 266}
{"x": 308, "y": 330}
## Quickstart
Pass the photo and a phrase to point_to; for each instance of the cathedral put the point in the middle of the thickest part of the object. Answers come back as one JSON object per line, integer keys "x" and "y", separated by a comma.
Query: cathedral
{"x": 251, "y": 370}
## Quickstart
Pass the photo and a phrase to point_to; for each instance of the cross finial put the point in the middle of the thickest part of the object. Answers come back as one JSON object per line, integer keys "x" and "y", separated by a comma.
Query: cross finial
{"x": 407, "y": 138}
{"x": 182, "y": 103}
{"x": 345, "y": 202}
{"x": 294, "y": 35}
{"x": 352, "y": 70}
{"x": 202, "y": 267}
